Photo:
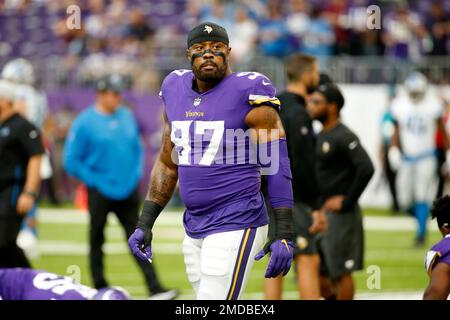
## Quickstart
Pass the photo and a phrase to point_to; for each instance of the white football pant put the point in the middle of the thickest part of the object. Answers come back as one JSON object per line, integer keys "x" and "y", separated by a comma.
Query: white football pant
{"x": 218, "y": 265}
{"x": 417, "y": 182}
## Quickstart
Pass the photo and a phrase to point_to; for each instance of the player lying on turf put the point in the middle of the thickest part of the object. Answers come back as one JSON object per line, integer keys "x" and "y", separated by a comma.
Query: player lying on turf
{"x": 225, "y": 218}
{"x": 29, "y": 284}
{"x": 437, "y": 261}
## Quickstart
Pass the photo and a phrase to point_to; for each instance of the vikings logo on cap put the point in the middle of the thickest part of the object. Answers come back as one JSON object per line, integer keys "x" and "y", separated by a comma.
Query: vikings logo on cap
{"x": 208, "y": 29}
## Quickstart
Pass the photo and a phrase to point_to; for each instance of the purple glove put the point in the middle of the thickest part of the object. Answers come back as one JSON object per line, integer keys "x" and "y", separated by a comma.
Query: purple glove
{"x": 139, "y": 243}
{"x": 282, "y": 252}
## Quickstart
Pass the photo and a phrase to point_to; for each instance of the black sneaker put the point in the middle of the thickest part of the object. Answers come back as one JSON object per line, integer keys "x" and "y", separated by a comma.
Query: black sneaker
{"x": 419, "y": 242}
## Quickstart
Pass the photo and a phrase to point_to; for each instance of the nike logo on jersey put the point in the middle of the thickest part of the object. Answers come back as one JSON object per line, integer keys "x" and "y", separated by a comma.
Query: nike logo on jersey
{"x": 265, "y": 83}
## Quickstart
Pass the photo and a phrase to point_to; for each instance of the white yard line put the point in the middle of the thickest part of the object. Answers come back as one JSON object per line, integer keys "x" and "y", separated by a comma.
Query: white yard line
{"x": 74, "y": 248}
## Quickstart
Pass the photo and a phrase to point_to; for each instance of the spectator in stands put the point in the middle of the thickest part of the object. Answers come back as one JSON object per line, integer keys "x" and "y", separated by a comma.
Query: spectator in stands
{"x": 319, "y": 39}
{"x": 220, "y": 13}
{"x": 362, "y": 41}
{"x": 274, "y": 38}
{"x": 438, "y": 25}
{"x": 95, "y": 23}
{"x": 191, "y": 15}
{"x": 243, "y": 35}
{"x": 298, "y": 19}
{"x": 138, "y": 28}
{"x": 404, "y": 35}
{"x": 334, "y": 12}
{"x": 116, "y": 19}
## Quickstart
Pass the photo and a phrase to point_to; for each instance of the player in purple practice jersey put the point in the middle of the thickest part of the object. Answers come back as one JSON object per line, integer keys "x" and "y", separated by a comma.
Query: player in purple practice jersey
{"x": 214, "y": 119}
{"x": 29, "y": 284}
{"x": 437, "y": 261}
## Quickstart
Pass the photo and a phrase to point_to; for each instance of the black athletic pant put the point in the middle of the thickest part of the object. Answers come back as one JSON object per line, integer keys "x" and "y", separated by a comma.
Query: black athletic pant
{"x": 11, "y": 256}
{"x": 127, "y": 211}
{"x": 391, "y": 178}
{"x": 441, "y": 184}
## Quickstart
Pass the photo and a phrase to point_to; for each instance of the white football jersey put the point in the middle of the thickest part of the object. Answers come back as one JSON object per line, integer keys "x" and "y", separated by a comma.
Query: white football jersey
{"x": 417, "y": 122}
{"x": 35, "y": 103}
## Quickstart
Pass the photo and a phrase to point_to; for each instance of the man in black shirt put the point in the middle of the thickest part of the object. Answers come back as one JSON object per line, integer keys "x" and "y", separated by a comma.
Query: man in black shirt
{"x": 303, "y": 78}
{"x": 20, "y": 161}
{"x": 344, "y": 170}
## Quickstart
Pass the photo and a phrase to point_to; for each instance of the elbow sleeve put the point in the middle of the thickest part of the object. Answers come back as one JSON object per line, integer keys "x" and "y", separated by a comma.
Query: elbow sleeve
{"x": 280, "y": 181}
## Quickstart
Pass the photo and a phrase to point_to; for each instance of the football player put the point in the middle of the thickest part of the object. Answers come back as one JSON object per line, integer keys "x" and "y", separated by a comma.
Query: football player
{"x": 418, "y": 115}
{"x": 29, "y": 284}
{"x": 437, "y": 262}
{"x": 207, "y": 109}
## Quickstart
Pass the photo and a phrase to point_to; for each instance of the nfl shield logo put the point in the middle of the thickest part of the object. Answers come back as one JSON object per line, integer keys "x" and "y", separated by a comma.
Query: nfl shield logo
{"x": 197, "y": 101}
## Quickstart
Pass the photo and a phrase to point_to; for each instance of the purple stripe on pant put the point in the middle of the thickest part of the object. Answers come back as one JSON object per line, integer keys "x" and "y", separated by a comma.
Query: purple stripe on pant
{"x": 243, "y": 265}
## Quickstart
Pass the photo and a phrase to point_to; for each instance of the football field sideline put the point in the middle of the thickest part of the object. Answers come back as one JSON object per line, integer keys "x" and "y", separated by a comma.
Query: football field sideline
{"x": 64, "y": 243}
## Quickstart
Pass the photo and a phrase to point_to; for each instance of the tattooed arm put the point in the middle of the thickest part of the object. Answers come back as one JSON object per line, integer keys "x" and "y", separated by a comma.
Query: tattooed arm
{"x": 163, "y": 180}
{"x": 164, "y": 176}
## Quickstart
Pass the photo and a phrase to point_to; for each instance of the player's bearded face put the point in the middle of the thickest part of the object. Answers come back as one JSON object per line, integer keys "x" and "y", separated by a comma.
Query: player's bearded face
{"x": 209, "y": 60}
{"x": 317, "y": 107}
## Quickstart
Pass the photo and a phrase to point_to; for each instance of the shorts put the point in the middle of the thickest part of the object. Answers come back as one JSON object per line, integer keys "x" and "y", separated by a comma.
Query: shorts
{"x": 342, "y": 246}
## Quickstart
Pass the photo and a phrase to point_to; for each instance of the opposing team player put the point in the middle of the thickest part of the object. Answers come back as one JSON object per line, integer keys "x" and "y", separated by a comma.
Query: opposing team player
{"x": 29, "y": 284}
{"x": 225, "y": 220}
{"x": 418, "y": 114}
{"x": 437, "y": 261}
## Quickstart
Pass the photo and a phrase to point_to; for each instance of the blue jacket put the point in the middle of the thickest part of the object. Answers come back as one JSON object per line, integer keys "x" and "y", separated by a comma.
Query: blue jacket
{"x": 105, "y": 152}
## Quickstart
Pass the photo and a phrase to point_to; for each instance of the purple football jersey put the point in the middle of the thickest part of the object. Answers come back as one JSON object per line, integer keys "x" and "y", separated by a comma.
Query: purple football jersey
{"x": 29, "y": 284}
{"x": 440, "y": 252}
{"x": 218, "y": 181}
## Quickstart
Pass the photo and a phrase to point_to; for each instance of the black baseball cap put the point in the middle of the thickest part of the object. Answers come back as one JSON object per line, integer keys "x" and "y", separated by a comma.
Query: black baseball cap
{"x": 207, "y": 31}
{"x": 113, "y": 82}
{"x": 332, "y": 93}
{"x": 325, "y": 78}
